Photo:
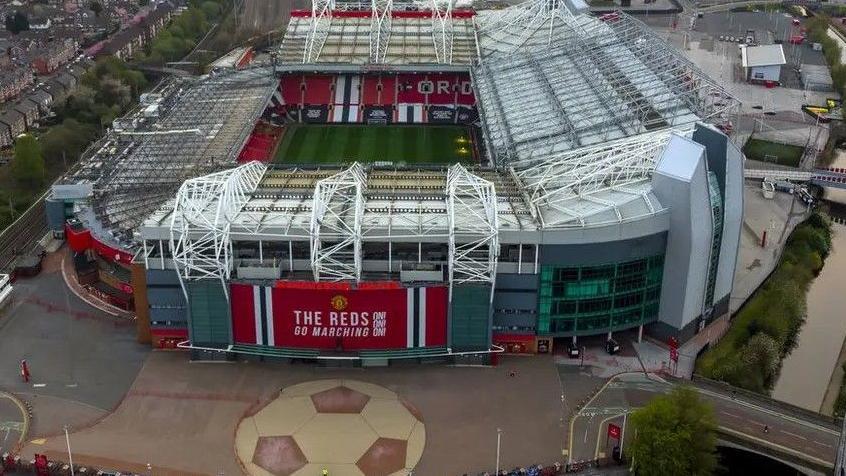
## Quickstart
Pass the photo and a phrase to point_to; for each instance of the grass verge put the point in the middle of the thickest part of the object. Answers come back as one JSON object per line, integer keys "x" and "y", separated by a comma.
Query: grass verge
{"x": 768, "y": 151}
{"x": 764, "y": 331}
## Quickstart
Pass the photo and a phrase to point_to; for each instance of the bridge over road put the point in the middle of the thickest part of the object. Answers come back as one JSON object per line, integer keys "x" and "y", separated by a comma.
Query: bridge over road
{"x": 800, "y": 438}
{"x": 824, "y": 177}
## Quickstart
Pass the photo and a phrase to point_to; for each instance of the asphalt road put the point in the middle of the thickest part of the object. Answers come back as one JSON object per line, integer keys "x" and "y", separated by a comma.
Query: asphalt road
{"x": 74, "y": 352}
{"x": 631, "y": 391}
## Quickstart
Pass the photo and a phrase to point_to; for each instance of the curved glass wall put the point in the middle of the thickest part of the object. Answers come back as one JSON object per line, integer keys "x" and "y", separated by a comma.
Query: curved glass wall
{"x": 598, "y": 298}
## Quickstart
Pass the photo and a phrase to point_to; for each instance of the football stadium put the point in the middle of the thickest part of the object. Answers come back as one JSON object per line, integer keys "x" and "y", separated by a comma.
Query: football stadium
{"x": 417, "y": 182}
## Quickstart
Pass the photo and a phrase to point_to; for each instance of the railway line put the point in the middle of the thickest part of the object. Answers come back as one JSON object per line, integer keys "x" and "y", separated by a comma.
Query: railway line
{"x": 22, "y": 235}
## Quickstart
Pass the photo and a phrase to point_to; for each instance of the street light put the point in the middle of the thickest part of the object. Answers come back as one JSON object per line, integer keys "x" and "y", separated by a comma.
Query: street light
{"x": 498, "y": 442}
{"x": 70, "y": 456}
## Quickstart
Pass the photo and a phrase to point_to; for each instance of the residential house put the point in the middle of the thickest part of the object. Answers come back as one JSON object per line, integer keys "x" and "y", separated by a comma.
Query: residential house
{"x": 6, "y": 139}
{"x": 128, "y": 42}
{"x": 16, "y": 122}
{"x": 56, "y": 54}
{"x": 30, "y": 111}
{"x": 14, "y": 82}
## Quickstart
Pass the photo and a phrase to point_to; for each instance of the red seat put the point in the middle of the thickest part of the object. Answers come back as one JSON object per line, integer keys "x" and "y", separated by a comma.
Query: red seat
{"x": 318, "y": 89}
{"x": 370, "y": 91}
{"x": 291, "y": 89}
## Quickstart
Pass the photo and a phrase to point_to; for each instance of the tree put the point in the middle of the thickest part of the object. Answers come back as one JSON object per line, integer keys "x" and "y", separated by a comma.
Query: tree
{"x": 96, "y": 7}
{"x": 674, "y": 434}
{"x": 28, "y": 163}
{"x": 17, "y": 22}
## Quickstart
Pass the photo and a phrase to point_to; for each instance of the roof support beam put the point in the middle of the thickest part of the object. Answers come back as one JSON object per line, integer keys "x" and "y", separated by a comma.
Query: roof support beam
{"x": 335, "y": 229}
{"x": 321, "y": 21}
{"x": 380, "y": 29}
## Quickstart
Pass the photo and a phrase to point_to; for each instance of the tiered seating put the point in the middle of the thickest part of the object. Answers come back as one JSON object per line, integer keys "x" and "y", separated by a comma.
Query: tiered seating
{"x": 389, "y": 90}
{"x": 347, "y": 98}
{"x": 378, "y": 98}
{"x": 292, "y": 92}
{"x": 371, "y": 92}
{"x": 262, "y": 144}
{"x": 318, "y": 89}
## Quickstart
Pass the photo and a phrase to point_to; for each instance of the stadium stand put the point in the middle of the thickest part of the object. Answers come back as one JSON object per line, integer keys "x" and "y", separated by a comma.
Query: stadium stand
{"x": 379, "y": 98}
{"x": 261, "y": 144}
{"x": 371, "y": 90}
{"x": 317, "y": 89}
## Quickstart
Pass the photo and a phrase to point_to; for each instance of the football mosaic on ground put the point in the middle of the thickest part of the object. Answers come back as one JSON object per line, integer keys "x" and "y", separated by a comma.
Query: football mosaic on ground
{"x": 346, "y": 427}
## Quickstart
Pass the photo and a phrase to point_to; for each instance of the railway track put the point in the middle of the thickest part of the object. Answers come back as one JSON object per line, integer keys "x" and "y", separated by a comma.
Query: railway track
{"x": 23, "y": 234}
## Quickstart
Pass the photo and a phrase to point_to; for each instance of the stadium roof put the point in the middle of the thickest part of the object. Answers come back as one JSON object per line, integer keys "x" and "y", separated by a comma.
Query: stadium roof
{"x": 192, "y": 127}
{"x": 548, "y": 81}
{"x": 394, "y": 35}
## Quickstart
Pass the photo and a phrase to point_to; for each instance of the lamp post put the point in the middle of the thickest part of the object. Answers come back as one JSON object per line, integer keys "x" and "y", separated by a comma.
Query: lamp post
{"x": 70, "y": 456}
{"x": 498, "y": 443}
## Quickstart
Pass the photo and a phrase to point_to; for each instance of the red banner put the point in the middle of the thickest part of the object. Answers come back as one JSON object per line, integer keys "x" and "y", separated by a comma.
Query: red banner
{"x": 384, "y": 317}
{"x": 613, "y": 431}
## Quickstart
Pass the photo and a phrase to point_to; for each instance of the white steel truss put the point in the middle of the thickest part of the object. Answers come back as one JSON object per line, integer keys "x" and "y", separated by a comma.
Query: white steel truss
{"x": 380, "y": 29}
{"x": 203, "y": 212}
{"x": 321, "y": 21}
{"x": 442, "y": 29}
{"x": 511, "y": 28}
{"x": 577, "y": 184}
{"x": 335, "y": 228}
{"x": 591, "y": 79}
{"x": 473, "y": 227}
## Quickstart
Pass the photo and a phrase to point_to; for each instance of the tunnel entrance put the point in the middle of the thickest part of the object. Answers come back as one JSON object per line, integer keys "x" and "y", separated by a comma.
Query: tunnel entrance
{"x": 739, "y": 462}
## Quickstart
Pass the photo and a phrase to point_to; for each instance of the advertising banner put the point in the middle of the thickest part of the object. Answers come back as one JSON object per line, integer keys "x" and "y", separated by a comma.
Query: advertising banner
{"x": 339, "y": 319}
{"x": 442, "y": 114}
{"x": 317, "y": 114}
{"x": 377, "y": 115}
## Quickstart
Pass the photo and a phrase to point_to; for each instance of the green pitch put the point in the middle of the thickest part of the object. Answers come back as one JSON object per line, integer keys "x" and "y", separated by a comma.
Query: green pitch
{"x": 402, "y": 145}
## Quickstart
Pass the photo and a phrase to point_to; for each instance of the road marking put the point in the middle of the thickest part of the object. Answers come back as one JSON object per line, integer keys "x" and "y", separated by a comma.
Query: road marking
{"x": 785, "y": 449}
{"x": 39, "y": 385}
{"x": 822, "y": 444}
{"x": 730, "y": 414}
{"x": 793, "y": 435}
{"x": 71, "y": 385}
{"x": 761, "y": 409}
{"x": 599, "y": 432}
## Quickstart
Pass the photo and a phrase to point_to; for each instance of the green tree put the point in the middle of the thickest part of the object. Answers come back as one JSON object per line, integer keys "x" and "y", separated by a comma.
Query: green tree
{"x": 674, "y": 434}
{"x": 17, "y": 23}
{"x": 28, "y": 163}
{"x": 96, "y": 7}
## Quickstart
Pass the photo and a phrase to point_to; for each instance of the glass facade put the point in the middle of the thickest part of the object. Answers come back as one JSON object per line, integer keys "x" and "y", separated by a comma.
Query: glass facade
{"x": 586, "y": 299}
{"x": 716, "y": 238}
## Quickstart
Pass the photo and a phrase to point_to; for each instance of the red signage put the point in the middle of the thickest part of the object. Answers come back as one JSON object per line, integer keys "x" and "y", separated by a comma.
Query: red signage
{"x": 614, "y": 431}
{"x": 320, "y": 317}
{"x": 674, "y": 355}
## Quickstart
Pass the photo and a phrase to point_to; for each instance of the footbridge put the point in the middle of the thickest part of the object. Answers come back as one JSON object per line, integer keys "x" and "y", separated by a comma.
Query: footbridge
{"x": 802, "y": 439}
{"x": 823, "y": 177}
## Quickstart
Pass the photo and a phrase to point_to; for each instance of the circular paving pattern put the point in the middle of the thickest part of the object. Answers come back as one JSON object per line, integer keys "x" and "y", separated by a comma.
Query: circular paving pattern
{"x": 346, "y": 427}
{"x": 14, "y": 422}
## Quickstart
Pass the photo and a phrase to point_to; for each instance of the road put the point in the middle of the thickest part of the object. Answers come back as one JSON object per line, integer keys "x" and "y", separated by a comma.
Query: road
{"x": 737, "y": 416}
